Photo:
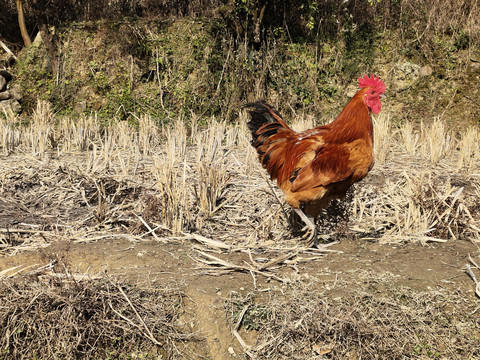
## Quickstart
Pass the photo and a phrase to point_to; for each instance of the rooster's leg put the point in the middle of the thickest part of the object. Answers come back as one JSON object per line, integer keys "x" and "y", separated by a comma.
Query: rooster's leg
{"x": 310, "y": 222}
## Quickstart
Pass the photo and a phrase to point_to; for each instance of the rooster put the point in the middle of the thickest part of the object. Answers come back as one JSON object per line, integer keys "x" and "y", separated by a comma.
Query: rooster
{"x": 317, "y": 165}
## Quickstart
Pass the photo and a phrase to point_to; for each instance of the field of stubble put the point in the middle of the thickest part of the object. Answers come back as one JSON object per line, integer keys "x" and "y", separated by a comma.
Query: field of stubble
{"x": 162, "y": 242}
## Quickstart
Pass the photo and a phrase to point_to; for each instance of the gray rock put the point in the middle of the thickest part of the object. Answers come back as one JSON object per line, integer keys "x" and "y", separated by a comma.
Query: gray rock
{"x": 3, "y": 83}
{"x": 17, "y": 91}
{"x": 425, "y": 71}
{"x": 351, "y": 90}
{"x": 405, "y": 74}
{"x": 4, "y": 95}
{"x": 407, "y": 70}
{"x": 10, "y": 105}
{"x": 38, "y": 41}
{"x": 80, "y": 106}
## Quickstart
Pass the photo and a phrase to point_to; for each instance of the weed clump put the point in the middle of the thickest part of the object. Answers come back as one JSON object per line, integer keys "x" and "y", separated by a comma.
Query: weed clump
{"x": 403, "y": 323}
{"x": 53, "y": 317}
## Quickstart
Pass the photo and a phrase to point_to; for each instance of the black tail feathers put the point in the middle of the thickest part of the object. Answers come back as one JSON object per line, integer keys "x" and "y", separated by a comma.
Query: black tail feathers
{"x": 260, "y": 114}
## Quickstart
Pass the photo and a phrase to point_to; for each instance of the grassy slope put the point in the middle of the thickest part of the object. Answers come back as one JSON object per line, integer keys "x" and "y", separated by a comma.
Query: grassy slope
{"x": 175, "y": 68}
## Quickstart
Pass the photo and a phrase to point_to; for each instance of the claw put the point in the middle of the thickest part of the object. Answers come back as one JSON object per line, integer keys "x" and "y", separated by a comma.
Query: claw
{"x": 307, "y": 235}
{"x": 312, "y": 241}
{"x": 310, "y": 229}
{"x": 310, "y": 237}
{"x": 306, "y": 229}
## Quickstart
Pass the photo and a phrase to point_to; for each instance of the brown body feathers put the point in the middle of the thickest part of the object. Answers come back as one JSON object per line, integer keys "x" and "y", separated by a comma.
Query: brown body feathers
{"x": 314, "y": 166}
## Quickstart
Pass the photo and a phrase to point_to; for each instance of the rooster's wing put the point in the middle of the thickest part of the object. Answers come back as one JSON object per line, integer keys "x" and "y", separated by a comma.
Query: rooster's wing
{"x": 331, "y": 163}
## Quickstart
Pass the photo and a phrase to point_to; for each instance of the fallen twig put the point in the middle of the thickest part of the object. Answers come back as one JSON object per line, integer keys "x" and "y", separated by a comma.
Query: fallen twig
{"x": 209, "y": 242}
{"x": 278, "y": 260}
{"x": 150, "y": 230}
{"x": 473, "y": 262}
{"x": 146, "y": 328}
{"x": 214, "y": 262}
{"x": 242, "y": 343}
{"x": 5, "y": 47}
{"x": 472, "y": 275}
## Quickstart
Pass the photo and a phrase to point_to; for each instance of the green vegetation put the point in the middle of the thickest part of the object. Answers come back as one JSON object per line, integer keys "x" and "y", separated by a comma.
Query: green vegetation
{"x": 299, "y": 55}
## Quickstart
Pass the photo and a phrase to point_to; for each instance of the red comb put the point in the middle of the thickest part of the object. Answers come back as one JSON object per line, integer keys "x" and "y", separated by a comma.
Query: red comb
{"x": 372, "y": 82}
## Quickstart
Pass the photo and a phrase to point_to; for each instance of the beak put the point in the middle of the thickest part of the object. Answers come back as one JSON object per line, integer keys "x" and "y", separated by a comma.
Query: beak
{"x": 383, "y": 96}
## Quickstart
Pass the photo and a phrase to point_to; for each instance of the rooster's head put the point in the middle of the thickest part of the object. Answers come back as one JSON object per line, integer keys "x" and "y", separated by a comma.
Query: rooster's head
{"x": 375, "y": 90}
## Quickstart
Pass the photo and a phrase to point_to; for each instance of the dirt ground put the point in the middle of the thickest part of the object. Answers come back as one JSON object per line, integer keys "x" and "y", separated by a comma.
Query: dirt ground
{"x": 413, "y": 265}
{"x": 354, "y": 263}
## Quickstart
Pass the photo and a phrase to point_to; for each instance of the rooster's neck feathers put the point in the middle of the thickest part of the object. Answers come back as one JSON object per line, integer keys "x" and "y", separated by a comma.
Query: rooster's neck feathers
{"x": 353, "y": 123}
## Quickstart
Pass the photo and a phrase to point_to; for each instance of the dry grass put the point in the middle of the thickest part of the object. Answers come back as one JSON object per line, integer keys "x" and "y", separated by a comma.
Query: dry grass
{"x": 435, "y": 141}
{"x": 211, "y": 169}
{"x": 79, "y": 181}
{"x": 428, "y": 187}
{"x": 62, "y": 316}
{"x": 86, "y": 180}
{"x": 443, "y": 17}
{"x": 409, "y": 138}
{"x": 382, "y": 138}
{"x": 469, "y": 148}
{"x": 308, "y": 322}
{"x": 418, "y": 207}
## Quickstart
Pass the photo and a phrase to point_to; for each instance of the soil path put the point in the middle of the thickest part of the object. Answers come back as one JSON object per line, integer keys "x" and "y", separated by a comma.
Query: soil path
{"x": 153, "y": 264}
